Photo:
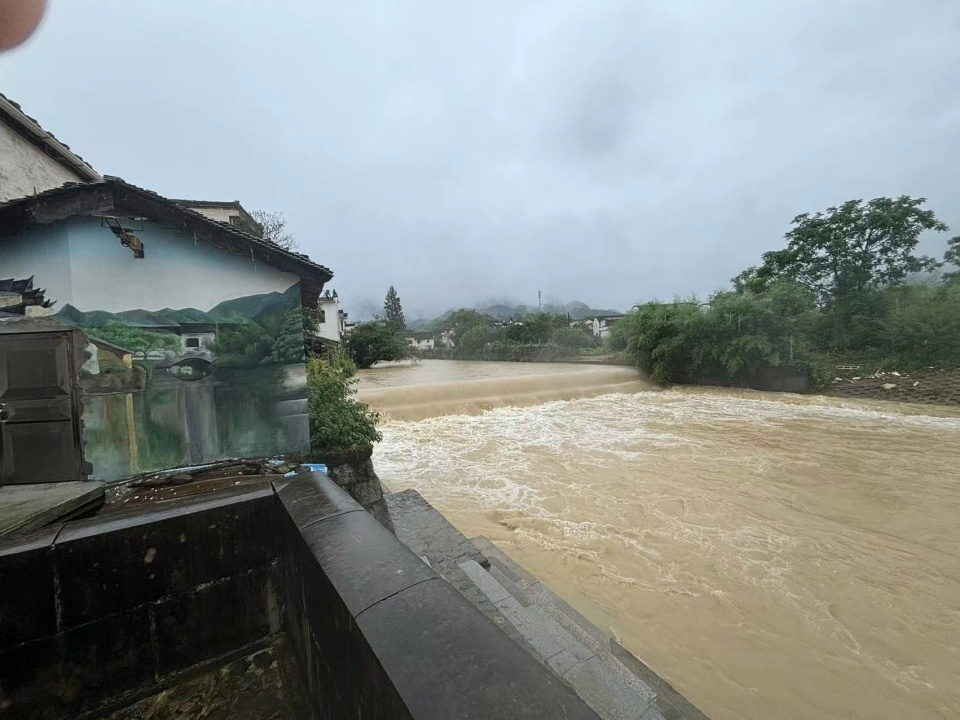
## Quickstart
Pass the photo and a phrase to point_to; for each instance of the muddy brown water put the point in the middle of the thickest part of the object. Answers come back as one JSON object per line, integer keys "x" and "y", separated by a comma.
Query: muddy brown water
{"x": 772, "y": 556}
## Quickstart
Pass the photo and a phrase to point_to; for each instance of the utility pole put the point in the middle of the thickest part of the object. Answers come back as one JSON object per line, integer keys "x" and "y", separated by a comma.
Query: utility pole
{"x": 539, "y": 301}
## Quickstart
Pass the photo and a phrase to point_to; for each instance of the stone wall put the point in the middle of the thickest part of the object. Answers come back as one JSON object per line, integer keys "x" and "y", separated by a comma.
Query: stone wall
{"x": 353, "y": 471}
{"x": 141, "y": 614}
{"x": 97, "y": 612}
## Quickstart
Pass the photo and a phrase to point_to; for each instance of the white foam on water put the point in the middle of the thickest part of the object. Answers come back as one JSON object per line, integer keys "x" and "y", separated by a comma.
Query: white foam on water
{"x": 687, "y": 493}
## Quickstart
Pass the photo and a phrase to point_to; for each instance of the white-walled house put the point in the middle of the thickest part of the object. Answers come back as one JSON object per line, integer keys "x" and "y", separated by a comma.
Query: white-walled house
{"x": 197, "y": 325}
{"x": 331, "y": 320}
{"x": 420, "y": 340}
{"x": 229, "y": 212}
{"x": 32, "y": 160}
{"x": 601, "y": 324}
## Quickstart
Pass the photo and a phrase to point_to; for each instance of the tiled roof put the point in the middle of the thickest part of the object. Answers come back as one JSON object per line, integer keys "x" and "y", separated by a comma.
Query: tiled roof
{"x": 24, "y": 206}
{"x": 64, "y": 154}
{"x": 206, "y": 203}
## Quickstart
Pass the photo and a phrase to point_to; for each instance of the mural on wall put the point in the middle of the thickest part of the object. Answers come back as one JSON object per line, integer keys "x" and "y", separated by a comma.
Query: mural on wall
{"x": 195, "y": 354}
{"x": 181, "y": 386}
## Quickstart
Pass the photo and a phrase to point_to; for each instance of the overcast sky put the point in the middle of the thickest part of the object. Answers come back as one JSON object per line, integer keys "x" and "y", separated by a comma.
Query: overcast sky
{"x": 607, "y": 151}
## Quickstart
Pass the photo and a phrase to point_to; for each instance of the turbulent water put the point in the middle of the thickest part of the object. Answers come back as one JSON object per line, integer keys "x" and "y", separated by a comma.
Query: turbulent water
{"x": 772, "y": 556}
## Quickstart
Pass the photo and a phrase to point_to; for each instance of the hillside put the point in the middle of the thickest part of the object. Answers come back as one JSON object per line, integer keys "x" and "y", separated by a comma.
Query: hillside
{"x": 251, "y": 307}
{"x": 504, "y": 311}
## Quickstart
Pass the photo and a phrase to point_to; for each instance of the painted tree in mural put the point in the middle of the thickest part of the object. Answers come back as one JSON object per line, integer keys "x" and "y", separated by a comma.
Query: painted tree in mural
{"x": 243, "y": 345}
{"x": 393, "y": 312}
{"x": 288, "y": 347}
{"x": 139, "y": 341}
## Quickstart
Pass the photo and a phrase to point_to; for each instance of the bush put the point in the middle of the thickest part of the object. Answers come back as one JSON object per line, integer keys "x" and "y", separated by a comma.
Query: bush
{"x": 373, "y": 342}
{"x": 337, "y": 420}
{"x": 574, "y": 338}
{"x": 338, "y": 359}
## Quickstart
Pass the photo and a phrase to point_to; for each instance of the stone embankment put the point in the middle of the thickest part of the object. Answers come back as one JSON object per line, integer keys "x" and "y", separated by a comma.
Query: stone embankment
{"x": 930, "y": 386}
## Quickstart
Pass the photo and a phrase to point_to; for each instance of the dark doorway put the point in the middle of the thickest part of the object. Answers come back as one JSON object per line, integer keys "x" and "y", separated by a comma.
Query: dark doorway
{"x": 39, "y": 408}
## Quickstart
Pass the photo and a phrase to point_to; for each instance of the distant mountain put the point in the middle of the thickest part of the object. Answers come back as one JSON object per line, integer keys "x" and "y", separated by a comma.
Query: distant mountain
{"x": 251, "y": 307}
{"x": 254, "y": 306}
{"x": 71, "y": 316}
{"x": 577, "y": 310}
{"x": 144, "y": 318}
{"x": 187, "y": 315}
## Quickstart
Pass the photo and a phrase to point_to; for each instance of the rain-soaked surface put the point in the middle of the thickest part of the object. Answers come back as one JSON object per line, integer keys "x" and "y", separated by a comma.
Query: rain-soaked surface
{"x": 772, "y": 556}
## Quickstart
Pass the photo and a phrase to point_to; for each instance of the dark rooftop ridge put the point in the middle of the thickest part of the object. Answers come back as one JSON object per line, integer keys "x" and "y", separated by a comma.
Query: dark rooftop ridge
{"x": 115, "y": 196}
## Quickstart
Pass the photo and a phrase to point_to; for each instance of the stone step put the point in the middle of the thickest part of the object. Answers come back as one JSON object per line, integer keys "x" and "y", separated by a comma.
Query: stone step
{"x": 440, "y": 545}
{"x": 617, "y": 660}
{"x": 598, "y": 678}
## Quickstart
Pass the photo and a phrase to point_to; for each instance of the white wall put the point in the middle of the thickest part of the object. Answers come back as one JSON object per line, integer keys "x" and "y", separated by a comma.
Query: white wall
{"x": 175, "y": 272}
{"x": 220, "y": 214}
{"x": 44, "y": 253}
{"x": 25, "y": 168}
{"x": 330, "y": 327}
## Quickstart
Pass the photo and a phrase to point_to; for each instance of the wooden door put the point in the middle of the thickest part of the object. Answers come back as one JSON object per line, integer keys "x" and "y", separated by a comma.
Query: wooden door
{"x": 39, "y": 409}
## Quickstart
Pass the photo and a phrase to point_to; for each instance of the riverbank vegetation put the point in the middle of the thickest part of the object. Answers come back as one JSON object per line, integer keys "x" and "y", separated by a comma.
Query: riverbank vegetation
{"x": 541, "y": 336}
{"x": 337, "y": 419}
{"x": 381, "y": 339}
{"x": 848, "y": 287}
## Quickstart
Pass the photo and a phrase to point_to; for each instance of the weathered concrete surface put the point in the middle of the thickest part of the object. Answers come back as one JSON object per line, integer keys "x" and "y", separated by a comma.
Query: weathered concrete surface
{"x": 612, "y": 680}
{"x": 263, "y": 685}
{"x": 438, "y": 543}
{"x": 104, "y": 609}
{"x": 608, "y": 687}
{"x": 430, "y": 535}
{"x": 353, "y": 471}
{"x": 24, "y": 508}
{"x": 381, "y": 635}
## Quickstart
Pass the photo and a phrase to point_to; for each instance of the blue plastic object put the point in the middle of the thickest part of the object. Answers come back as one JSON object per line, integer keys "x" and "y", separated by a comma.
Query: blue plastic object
{"x": 312, "y": 467}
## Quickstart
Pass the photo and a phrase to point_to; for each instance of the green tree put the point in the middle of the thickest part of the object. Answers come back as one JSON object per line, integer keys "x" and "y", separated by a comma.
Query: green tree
{"x": 476, "y": 339}
{"x": 393, "y": 312}
{"x": 138, "y": 340}
{"x": 288, "y": 345}
{"x": 744, "y": 333}
{"x": 661, "y": 336}
{"x": 851, "y": 248}
{"x": 337, "y": 419}
{"x": 460, "y": 321}
{"x": 922, "y": 327}
{"x": 573, "y": 338}
{"x": 373, "y": 342}
{"x": 952, "y": 257}
{"x": 243, "y": 345}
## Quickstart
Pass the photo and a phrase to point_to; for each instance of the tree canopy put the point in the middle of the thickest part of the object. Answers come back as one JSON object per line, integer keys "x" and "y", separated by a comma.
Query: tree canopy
{"x": 952, "y": 257}
{"x": 840, "y": 288}
{"x": 373, "y": 342}
{"x": 393, "y": 312}
{"x": 850, "y": 249}
{"x": 275, "y": 229}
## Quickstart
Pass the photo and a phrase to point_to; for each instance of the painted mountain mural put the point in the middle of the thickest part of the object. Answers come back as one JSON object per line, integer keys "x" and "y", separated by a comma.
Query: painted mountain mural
{"x": 239, "y": 332}
{"x": 179, "y": 386}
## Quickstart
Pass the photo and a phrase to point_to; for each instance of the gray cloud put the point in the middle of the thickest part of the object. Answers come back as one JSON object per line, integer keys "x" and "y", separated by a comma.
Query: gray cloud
{"x": 606, "y": 151}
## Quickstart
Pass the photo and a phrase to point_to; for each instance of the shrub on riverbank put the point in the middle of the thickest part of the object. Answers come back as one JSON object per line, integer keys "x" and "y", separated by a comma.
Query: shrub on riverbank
{"x": 838, "y": 289}
{"x": 337, "y": 419}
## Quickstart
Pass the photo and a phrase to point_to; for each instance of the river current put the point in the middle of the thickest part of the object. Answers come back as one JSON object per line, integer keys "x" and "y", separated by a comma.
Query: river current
{"x": 771, "y": 555}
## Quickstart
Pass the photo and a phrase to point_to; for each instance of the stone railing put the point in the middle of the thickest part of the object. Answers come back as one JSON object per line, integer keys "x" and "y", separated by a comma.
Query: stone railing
{"x": 98, "y": 613}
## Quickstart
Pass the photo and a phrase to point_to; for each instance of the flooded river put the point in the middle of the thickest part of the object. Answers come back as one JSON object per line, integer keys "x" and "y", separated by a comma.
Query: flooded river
{"x": 772, "y": 556}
